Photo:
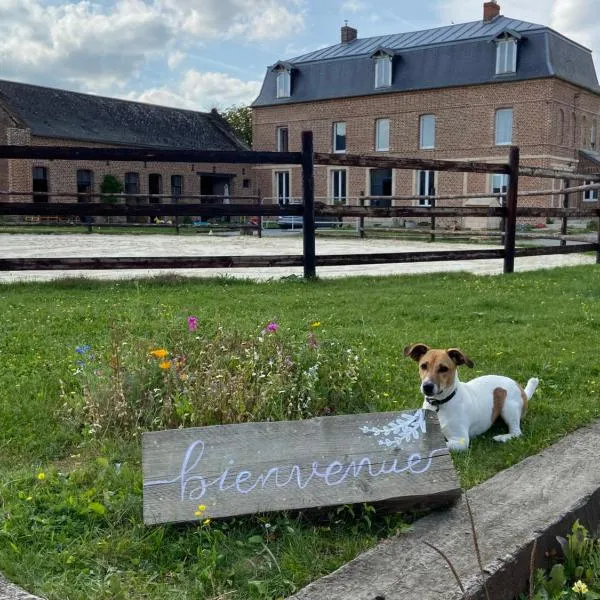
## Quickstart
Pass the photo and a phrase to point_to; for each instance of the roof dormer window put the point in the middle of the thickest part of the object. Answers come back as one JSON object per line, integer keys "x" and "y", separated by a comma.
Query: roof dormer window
{"x": 506, "y": 53}
{"x": 284, "y": 79}
{"x": 383, "y": 68}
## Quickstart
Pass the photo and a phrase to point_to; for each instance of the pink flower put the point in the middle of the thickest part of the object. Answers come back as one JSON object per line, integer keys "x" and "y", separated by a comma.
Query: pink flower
{"x": 272, "y": 327}
{"x": 192, "y": 323}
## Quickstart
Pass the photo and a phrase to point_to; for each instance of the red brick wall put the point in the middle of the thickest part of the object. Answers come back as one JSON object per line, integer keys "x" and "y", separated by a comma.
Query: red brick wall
{"x": 465, "y": 128}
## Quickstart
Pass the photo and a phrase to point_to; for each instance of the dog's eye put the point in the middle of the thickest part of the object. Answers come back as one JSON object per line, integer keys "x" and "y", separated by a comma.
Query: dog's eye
{"x": 424, "y": 366}
{"x": 443, "y": 369}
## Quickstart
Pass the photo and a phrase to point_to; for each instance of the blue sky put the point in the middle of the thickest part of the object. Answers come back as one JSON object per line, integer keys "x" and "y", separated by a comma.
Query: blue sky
{"x": 203, "y": 53}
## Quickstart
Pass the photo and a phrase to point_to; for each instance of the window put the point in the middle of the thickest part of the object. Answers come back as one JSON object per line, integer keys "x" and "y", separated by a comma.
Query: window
{"x": 282, "y": 139}
{"x": 499, "y": 183}
{"x": 381, "y": 185}
{"x": 426, "y": 186}
{"x": 590, "y": 195}
{"x": 584, "y": 132}
{"x": 154, "y": 186}
{"x": 40, "y": 184}
{"x": 506, "y": 56}
{"x": 383, "y": 70}
{"x": 245, "y": 183}
{"x": 282, "y": 187}
{"x": 504, "y": 125}
{"x": 593, "y": 135}
{"x": 176, "y": 187}
{"x": 427, "y": 132}
{"x": 382, "y": 135}
{"x": 132, "y": 183}
{"x": 85, "y": 185}
{"x": 574, "y": 132}
{"x": 339, "y": 137}
{"x": 338, "y": 186}
{"x": 284, "y": 83}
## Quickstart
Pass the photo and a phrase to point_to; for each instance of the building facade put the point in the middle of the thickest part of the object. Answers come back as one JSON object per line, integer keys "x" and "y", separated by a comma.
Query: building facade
{"x": 462, "y": 92}
{"x": 38, "y": 116}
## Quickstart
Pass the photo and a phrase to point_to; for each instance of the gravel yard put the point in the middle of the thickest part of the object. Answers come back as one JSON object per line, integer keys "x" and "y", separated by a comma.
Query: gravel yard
{"x": 86, "y": 245}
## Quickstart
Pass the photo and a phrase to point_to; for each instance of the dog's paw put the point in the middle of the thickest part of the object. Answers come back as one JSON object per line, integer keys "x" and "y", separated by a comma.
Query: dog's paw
{"x": 459, "y": 444}
{"x": 505, "y": 437}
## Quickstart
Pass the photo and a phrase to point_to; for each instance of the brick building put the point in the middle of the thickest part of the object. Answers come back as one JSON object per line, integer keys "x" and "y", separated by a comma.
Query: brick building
{"x": 39, "y": 116}
{"x": 461, "y": 92}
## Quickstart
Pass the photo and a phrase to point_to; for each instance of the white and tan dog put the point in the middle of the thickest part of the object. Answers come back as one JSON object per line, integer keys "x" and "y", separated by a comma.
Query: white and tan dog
{"x": 468, "y": 409}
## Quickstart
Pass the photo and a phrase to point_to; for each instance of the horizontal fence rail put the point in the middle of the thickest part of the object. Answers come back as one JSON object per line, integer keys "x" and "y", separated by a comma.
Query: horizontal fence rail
{"x": 154, "y": 206}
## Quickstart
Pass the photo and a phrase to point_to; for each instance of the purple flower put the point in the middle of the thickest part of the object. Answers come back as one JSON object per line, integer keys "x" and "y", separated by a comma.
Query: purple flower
{"x": 192, "y": 323}
{"x": 82, "y": 349}
{"x": 272, "y": 327}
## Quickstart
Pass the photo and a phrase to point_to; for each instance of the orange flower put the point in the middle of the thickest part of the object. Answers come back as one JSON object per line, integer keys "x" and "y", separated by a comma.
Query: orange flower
{"x": 159, "y": 353}
{"x": 166, "y": 364}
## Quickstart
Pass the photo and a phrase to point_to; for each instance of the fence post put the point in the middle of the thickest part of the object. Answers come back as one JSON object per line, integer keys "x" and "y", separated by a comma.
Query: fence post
{"x": 432, "y": 236}
{"x": 260, "y": 217}
{"x": 511, "y": 210}
{"x": 564, "y": 227}
{"x": 361, "y": 220}
{"x": 308, "y": 197}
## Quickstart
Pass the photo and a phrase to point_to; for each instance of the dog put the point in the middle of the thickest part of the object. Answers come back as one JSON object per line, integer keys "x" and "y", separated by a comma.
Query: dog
{"x": 468, "y": 409}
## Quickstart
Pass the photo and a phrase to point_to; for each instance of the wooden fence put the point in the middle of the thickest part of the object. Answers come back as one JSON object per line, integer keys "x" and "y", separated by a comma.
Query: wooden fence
{"x": 509, "y": 212}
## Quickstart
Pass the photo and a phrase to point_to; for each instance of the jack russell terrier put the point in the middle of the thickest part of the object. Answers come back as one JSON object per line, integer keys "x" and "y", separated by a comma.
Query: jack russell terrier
{"x": 468, "y": 409}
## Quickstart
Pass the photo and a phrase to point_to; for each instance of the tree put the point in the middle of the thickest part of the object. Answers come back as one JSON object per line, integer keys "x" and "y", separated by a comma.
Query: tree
{"x": 110, "y": 185}
{"x": 240, "y": 120}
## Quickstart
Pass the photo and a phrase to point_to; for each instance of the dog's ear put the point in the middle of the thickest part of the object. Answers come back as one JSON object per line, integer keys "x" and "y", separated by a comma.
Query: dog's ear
{"x": 416, "y": 351}
{"x": 460, "y": 358}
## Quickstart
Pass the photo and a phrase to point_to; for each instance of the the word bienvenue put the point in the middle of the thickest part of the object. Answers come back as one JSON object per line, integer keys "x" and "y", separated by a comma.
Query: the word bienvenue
{"x": 194, "y": 486}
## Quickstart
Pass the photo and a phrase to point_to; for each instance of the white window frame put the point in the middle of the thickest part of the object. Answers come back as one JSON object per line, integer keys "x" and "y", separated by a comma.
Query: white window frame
{"x": 338, "y": 174}
{"x": 427, "y": 125}
{"x": 383, "y": 71}
{"x": 506, "y": 56}
{"x": 499, "y": 185}
{"x": 382, "y": 135}
{"x": 334, "y": 139}
{"x": 500, "y": 129}
{"x": 285, "y": 197}
{"x": 284, "y": 83}
{"x": 280, "y": 130}
{"x": 429, "y": 175}
{"x": 590, "y": 195}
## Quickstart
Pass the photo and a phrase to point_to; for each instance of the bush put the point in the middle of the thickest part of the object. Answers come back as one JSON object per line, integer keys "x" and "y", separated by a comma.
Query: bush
{"x": 211, "y": 378}
{"x": 110, "y": 185}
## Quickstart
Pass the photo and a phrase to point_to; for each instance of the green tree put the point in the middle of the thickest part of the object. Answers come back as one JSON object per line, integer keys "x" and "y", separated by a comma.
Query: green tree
{"x": 110, "y": 185}
{"x": 240, "y": 120}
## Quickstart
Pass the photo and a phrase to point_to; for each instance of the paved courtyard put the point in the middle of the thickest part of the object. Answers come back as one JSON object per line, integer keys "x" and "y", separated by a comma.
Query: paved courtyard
{"x": 88, "y": 245}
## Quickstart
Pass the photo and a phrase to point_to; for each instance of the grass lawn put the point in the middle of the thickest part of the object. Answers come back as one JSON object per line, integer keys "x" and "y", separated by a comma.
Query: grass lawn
{"x": 71, "y": 500}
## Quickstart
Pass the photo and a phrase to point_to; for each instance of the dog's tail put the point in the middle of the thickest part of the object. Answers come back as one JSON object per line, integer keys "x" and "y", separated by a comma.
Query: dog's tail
{"x": 531, "y": 387}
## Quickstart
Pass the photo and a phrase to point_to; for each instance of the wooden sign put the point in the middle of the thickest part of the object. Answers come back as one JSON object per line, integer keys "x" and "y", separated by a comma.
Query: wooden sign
{"x": 209, "y": 472}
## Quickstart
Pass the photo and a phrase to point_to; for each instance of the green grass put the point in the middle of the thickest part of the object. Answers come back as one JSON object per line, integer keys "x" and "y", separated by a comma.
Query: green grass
{"x": 77, "y": 533}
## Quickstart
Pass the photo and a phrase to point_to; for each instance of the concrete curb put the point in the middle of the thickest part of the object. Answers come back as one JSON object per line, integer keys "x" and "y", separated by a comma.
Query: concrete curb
{"x": 534, "y": 500}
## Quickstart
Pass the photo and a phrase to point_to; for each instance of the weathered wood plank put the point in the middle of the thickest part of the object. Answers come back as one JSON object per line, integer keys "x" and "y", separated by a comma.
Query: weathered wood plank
{"x": 396, "y": 162}
{"x": 548, "y": 250}
{"x": 148, "y": 155}
{"x": 544, "y": 173}
{"x": 289, "y": 465}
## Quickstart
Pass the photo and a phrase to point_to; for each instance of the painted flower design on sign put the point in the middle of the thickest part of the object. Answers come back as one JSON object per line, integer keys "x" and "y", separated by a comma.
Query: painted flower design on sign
{"x": 402, "y": 430}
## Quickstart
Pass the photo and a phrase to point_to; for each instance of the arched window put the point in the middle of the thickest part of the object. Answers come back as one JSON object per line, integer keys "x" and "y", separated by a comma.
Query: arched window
{"x": 574, "y": 130}
{"x": 594, "y": 135}
{"x": 583, "y": 132}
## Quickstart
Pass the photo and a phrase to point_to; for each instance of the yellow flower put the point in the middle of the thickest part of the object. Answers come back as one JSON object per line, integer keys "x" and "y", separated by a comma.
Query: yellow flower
{"x": 580, "y": 587}
{"x": 166, "y": 364}
{"x": 41, "y": 476}
{"x": 200, "y": 511}
{"x": 206, "y": 522}
{"x": 159, "y": 353}
{"x": 316, "y": 324}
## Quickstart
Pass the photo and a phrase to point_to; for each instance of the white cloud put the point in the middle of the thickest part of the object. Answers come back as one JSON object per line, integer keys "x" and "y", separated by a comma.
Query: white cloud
{"x": 353, "y": 6}
{"x": 202, "y": 91}
{"x": 175, "y": 59}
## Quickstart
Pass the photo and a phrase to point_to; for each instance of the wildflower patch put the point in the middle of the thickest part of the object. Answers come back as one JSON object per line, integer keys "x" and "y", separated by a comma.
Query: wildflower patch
{"x": 396, "y": 458}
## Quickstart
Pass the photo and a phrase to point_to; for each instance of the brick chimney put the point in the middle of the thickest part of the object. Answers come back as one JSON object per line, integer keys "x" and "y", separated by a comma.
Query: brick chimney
{"x": 348, "y": 33}
{"x": 491, "y": 10}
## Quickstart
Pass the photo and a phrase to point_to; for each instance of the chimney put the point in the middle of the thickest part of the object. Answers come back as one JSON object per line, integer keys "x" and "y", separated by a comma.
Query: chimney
{"x": 491, "y": 10}
{"x": 348, "y": 33}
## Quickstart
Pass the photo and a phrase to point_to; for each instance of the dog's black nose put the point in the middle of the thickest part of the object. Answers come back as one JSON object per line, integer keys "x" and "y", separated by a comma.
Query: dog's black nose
{"x": 428, "y": 389}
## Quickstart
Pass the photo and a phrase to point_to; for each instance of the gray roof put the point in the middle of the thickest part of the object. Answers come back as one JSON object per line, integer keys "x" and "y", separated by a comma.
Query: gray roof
{"x": 455, "y": 55}
{"x": 63, "y": 114}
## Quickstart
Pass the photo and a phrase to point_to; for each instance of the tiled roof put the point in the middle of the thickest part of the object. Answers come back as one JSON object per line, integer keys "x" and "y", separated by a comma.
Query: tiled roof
{"x": 63, "y": 114}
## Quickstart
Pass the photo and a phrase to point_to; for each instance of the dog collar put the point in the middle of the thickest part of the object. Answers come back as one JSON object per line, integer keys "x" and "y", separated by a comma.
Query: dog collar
{"x": 438, "y": 403}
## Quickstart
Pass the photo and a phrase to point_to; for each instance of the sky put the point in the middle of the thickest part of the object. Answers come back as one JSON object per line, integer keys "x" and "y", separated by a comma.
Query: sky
{"x": 200, "y": 54}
